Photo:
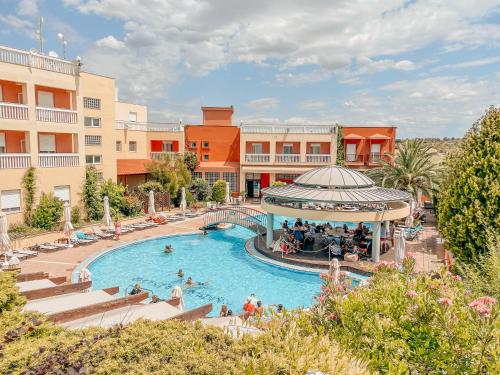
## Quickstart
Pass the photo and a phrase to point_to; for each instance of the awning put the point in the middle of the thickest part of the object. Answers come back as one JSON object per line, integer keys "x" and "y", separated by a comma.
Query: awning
{"x": 378, "y": 136}
{"x": 131, "y": 166}
{"x": 353, "y": 136}
{"x": 218, "y": 166}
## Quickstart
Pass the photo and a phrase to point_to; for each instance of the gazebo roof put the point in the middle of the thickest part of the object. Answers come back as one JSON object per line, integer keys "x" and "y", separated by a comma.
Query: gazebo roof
{"x": 334, "y": 176}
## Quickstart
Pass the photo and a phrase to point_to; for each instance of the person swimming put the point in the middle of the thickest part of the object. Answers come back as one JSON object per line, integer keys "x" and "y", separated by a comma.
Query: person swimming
{"x": 168, "y": 249}
{"x": 191, "y": 284}
{"x": 136, "y": 290}
{"x": 155, "y": 299}
{"x": 223, "y": 311}
{"x": 180, "y": 273}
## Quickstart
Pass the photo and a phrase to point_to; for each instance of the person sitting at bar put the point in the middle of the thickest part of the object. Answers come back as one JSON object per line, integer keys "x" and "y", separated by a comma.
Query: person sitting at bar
{"x": 366, "y": 231}
{"x": 346, "y": 229}
{"x": 298, "y": 222}
{"x": 285, "y": 226}
{"x": 136, "y": 290}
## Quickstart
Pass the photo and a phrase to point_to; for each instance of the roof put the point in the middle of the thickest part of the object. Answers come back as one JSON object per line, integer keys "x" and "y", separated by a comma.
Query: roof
{"x": 378, "y": 136}
{"x": 353, "y": 136}
{"x": 218, "y": 166}
{"x": 334, "y": 176}
{"x": 131, "y": 166}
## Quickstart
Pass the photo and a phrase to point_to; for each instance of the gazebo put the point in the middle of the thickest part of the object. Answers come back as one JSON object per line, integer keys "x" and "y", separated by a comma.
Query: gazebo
{"x": 335, "y": 193}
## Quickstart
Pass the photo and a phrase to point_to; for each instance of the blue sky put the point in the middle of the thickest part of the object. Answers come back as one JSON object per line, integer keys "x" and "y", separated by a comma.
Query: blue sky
{"x": 429, "y": 67}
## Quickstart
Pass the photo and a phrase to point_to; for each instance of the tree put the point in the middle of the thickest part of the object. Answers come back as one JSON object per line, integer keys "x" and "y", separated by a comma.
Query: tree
{"x": 90, "y": 194}
{"x": 146, "y": 187}
{"x": 29, "y": 186}
{"x": 200, "y": 189}
{"x": 48, "y": 213}
{"x": 219, "y": 191}
{"x": 116, "y": 194}
{"x": 411, "y": 170}
{"x": 469, "y": 198}
{"x": 191, "y": 160}
{"x": 340, "y": 146}
{"x": 172, "y": 175}
{"x": 278, "y": 183}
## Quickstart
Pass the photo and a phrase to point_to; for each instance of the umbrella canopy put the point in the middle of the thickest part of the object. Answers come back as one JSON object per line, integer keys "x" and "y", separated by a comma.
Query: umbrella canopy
{"x": 151, "y": 204}
{"x": 68, "y": 227}
{"x": 334, "y": 270}
{"x": 183, "y": 199}
{"x": 227, "y": 198}
{"x": 107, "y": 217}
{"x": 5, "y": 244}
{"x": 84, "y": 275}
{"x": 399, "y": 243}
{"x": 177, "y": 293}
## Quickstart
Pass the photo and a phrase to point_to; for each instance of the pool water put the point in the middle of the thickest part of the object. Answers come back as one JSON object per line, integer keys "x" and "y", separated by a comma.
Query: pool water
{"x": 218, "y": 258}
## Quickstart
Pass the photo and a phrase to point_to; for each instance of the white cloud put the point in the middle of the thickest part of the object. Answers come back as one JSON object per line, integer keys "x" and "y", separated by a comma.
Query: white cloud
{"x": 312, "y": 104}
{"x": 263, "y": 104}
{"x": 110, "y": 42}
{"x": 28, "y": 8}
{"x": 19, "y": 25}
{"x": 468, "y": 64}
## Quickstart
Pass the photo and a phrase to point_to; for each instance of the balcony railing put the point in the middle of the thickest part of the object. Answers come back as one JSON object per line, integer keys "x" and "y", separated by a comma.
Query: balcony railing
{"x": 56, "y": 115}
{"x": 13, "y": 111}
{"x": 149, "y": 126}
{"x": 293, "y": 129}
{"x": 353, "y": 158}
{"x": 163, "y": 155}
{"x": 58, "y": 160}
{"x": 318, "y": 158}
{"x": 38, "y": 61}
{"x": 257, "y": 158}
{"x": 375, "y": 157}
{"x": 287, "y": 158}
{"x": 15, "y": 161}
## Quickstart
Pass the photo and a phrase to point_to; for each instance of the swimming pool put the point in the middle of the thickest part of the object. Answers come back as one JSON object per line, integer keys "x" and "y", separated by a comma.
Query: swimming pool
{"x": 219, "y": 258}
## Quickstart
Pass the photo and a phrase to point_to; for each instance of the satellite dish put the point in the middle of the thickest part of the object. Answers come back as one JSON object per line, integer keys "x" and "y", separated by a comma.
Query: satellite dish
{"x": 53, "y": 54}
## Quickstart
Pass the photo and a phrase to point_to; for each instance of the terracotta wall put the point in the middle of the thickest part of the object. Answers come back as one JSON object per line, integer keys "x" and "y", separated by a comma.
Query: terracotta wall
{"x": 220, "y": 116}
{"x": 224, "y": 141}
{"x": 11, "y": 91}
{"x": 62, "y": 98}
{"x": 295, "y": 147}
{"x": 324, "y": 147}
{"x": 265, "y": 147}
{"x": 13, "y": 141}
{"x": 157, "y": 145}
{"x": 363, "y": 145}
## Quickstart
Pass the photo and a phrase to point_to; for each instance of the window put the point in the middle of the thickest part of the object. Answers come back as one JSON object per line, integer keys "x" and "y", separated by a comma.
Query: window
{"x": 288, "y": 148}
{"x": 132, "y": 116}
{"x": 205, "y": 144}
{"x": 119, "y": 146}
{"x": 132, "y": 146}
{"x": 2, "y": 143}
{"x": 47, "y": 143}
{"x": 211, "y": 177}
{"x": 92, "y": 140}
{"x": 351, "y": 152}
{"x": 252, "y": 176}
{"x": 232, "y": 178}
{"x": 92, "y": 103}
{"x": 45, "y": 99}
{"x": 315, "y": 149}
{"x": 205, "y": 157}
{"x": 280, "y": 177}
{"x": 197, "y": 175}
{"x": 93, "y": 159}
{"x": 167, "y": 147}
{"x": 92, "y": 122}
{"x": 62, "y": 192}
{"x": 192, "y": 144}
{"x": 11, "y": 201}
{"x": 256, "y": 148}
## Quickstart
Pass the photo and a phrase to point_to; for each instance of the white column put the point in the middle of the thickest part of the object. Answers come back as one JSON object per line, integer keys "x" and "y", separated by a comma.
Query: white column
{"x": 376, "y": 241}
{"x": 269, "y": 231}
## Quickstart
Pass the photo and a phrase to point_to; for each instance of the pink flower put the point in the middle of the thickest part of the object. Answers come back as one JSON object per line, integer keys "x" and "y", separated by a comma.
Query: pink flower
{"x": 332, "y": 316}
{"x": 445, "y": 301}
{"x": 411, "y": 294}
{"x": 325, "y": 289}
{"x": 342, "y": 274}
{"x": 325, "y": 276}
{"x": 457, "y": 278}
{"x": 321, "y": 298}
{"x": 487, "y": 300}
{"x": 411, "y": 255}
{"x": 480, "y": 308}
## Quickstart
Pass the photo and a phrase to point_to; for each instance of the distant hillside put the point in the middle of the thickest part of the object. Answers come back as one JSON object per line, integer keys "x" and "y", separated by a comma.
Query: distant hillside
{"x": 440, "y": 146}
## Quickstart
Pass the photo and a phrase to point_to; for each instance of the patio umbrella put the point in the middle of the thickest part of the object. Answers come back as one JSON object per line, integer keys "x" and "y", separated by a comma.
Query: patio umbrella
{"x": 5, "y": 244}
{"x": 399, "y": 245}
{"x": 68, "y": 227}
{"x": 177, "y": 293}
{"x": 84, "y": 275}
{"x": 334, "y": 270}
{"x": 183, "y": 199}
{"x": 107, "y": 217}
{"x": 227, "y": 199}
{"x": 151, "y": 204}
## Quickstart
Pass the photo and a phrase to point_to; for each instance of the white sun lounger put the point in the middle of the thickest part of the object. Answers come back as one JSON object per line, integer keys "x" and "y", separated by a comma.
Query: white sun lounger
{"x": 35, "y": 284}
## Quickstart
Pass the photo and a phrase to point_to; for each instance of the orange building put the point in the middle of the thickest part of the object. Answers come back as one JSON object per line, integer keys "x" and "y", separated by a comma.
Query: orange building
{"x": 366, "y": 146}
{"x": 216, "y": 142}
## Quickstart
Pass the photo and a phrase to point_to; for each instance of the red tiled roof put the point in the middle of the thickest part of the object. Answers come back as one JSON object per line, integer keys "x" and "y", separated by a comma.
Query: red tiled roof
{"x": 218, "y": 166}
{"x": 131, "y": 166}
{"x": 378, "y": 136}
{"x": 353, "y": 136}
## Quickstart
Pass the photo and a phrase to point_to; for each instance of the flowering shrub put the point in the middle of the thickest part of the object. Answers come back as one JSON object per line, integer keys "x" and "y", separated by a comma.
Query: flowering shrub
{"x": 405, "y": 323}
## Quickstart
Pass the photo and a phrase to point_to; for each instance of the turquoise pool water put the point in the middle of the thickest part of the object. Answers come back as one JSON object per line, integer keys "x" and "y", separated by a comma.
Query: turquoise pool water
{"x": 218, "y": 258}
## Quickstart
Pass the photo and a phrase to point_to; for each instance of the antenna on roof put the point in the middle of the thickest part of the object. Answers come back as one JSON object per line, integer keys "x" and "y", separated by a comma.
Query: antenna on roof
{"x": 64, "y": 44}
{"x": 40, "y": 33}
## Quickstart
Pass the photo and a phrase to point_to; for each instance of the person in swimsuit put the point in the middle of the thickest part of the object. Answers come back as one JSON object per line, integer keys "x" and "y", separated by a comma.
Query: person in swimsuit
{"x": 259, "y": 310}
{"x": 191, "y": 284}
{"x": 180, "y": 273}
{"x": 223, "y": 311}
{"x": 136, "y": 290}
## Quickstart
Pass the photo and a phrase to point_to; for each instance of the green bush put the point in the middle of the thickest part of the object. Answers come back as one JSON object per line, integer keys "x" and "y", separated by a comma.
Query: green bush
{"x": 176, "y": 201}
{"x": 219, "y": 191}
{"x": 116, "y": 194}
{"x": 405, "y": 323}
{"x": 20, "y": 230}
{"x": 132, "y": 206}
{"x": 76, "y": 215}
{"x": 92, "y": 202}
{"x": 29, "y": 191}
{"x": 146, "y": 187}
{"x": 200, "y": 189}
{"x": 191, "y": 160}
{"x": 48, "y": 213}
{"x": 340, "y": 146}
{"x": 278, "y": 183}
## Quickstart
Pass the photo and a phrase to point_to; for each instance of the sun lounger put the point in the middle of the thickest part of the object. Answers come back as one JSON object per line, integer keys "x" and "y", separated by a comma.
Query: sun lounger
{"x": 102, "y": 235}
{"x": 27, "y": 252}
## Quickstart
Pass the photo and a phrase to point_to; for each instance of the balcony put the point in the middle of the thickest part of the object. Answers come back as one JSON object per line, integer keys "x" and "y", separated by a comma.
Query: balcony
{"x": 58, "y": 115}
{"x": 318, "y": 158}
{"x": 353, "y": 159}
{"x": 38, "y": 61}
{"x": 15, "y": 161}
{"x": 257, "y": 158}
{"x": 288, "y": 129}
{"x": 58, "y": 160}
{"x": 149, "y": 126}
{"x": 287, "y": 158}
{"x": 163, "y": 155}
{"x": 13, "y": 111}
{"x": 377, "y": 158}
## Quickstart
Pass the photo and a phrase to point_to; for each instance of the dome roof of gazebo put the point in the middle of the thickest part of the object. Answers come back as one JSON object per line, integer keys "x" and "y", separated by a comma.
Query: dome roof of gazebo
{"x": 334, "y": 176}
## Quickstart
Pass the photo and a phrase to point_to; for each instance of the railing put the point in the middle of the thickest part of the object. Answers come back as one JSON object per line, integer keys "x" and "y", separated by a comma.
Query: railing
{"x": 13, "y": 111}
{"x": 318, "y": 158}
{"x": 257, "y": 158}
{"x": 246, "y": 217}
{"x": 58, "y": 160}
{"x": 38, "y": 61}
{"x": 287, "y": 158}
{"x": 353, "y": 158}
{"x": 375, "y": 157}
{"x": 163, "y": 155}
{"x": 149, "y": 126}
{"x": 295, "y": 129}
{"x": 56, "y": 115}
{"x": 15, "y": 161}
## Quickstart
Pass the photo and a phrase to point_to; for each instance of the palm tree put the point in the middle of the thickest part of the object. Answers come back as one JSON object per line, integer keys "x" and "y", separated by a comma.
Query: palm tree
{"x": 411, "y": 169}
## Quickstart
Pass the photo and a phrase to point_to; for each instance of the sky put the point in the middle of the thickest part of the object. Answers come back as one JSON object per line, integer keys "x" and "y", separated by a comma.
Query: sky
{"x": 429, "y": 67}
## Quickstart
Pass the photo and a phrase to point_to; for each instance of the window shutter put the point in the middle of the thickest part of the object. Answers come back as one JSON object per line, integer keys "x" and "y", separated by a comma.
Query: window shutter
{"x": 45, "y": 99}
{"x": 47, "y": 142}
{"x": 11, "y": 200}
{"x": 62, "y": 192}
{"x": 2, "y": 139}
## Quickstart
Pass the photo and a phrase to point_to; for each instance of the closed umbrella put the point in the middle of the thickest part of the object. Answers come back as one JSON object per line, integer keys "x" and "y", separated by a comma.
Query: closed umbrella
{"x": 68, "y": 227}
{"x": 84, "y": 275}
{"x": 151, "y": 204}
{"x": 5, "y": 244}
{"x": 183, "y": 199}
{"x": 227, "y": 198}
{"x": 399, "y": 243}
{"x": 334, "y": 270}
{"x": 177, "y": 293}
{"x": 107, "y": 217}
{"x": 409, "y": 218}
